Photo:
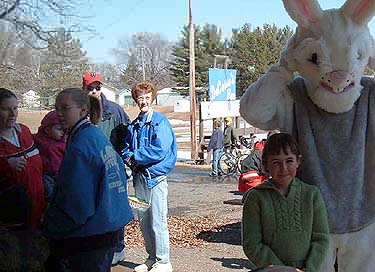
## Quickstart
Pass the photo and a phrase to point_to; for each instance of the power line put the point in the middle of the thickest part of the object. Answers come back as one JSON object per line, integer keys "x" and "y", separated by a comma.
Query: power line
{"x": 119, "y": 19}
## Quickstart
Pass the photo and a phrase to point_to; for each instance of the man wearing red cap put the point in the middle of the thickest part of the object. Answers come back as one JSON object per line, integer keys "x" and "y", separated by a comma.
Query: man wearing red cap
{"x": 114, "y": 119}
{"x": 113, "y": 123}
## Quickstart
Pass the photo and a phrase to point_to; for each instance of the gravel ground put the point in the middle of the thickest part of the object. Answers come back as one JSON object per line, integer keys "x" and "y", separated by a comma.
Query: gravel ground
{"x": 194, "y": 196}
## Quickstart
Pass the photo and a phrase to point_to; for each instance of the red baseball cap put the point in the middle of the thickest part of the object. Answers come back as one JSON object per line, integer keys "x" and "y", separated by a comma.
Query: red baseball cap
{"x": 91, "y": 77}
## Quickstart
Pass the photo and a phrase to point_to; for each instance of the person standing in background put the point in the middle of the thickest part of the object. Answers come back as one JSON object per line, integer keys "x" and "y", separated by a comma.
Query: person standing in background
{"x": 216, "y": 144}
{"x": 151, "y": 153}
{"x": 20, "y": 162}
{"x": 114, "y": 121}
{"x": 230, "y": 137}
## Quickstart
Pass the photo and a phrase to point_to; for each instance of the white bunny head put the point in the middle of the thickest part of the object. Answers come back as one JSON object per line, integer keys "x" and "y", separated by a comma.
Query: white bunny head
{"x": 331, "y": 49}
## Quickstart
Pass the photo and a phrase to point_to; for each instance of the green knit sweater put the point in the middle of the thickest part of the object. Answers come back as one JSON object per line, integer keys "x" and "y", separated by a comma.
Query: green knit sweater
{"x": 291, "y": 230}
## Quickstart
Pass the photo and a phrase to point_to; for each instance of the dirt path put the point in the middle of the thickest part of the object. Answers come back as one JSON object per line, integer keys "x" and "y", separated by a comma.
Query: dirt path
{"x": 193, "y": 193}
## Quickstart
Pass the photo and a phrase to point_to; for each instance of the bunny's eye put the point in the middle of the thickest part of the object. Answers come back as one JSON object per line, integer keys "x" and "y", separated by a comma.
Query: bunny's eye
{"x": 359, "y": 55}
{"x": 314, "y": 58}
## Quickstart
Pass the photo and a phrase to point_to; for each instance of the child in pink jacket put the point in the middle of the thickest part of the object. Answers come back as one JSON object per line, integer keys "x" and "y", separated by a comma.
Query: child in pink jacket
{"x": 51, "y": 141}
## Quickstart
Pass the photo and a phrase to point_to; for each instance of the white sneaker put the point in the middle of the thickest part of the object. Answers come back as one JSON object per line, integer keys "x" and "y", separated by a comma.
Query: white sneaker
{"x": 118, "y": 257}
{"x": 147, "y": 265}
{"x": 160, "y": 267}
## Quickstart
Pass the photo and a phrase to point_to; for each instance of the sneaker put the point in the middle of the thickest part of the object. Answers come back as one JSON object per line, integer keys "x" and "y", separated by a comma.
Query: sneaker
{"x": 160, "y": 267}
{"x": 147, "y": 265}
{"x": 213, "y": 175}
{"x": 118, "y": 257}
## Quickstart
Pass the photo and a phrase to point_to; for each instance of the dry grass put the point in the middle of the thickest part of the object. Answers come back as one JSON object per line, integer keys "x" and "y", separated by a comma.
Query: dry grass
{"x": 32, "y": 118}
{"x": 133, "y": 111}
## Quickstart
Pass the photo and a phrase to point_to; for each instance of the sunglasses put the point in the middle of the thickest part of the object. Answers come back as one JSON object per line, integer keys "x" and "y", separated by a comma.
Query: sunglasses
{"x": 91, "y": 88}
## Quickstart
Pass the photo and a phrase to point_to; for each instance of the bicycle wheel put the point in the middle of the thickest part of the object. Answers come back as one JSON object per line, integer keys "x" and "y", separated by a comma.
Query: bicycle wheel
{"x": 227, "y": 164}
{"x": 239, "y": 161}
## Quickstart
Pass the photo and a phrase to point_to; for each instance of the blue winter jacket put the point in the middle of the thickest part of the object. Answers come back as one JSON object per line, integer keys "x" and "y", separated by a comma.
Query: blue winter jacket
{"x": 217, "y": 140}
{"x": 151, "y": 140}
{"x": 91, "y": 195}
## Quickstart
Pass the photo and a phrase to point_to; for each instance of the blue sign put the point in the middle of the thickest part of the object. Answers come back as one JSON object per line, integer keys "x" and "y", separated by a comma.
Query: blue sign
{"x": 222, "y": 84}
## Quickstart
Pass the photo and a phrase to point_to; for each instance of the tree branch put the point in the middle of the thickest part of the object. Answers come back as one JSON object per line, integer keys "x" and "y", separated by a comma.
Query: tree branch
{"x": 10, "y": 10}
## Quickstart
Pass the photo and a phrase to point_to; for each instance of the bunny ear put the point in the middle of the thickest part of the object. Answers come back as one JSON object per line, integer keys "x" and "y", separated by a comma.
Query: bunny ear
{"x": 303, "y": 12}
{"x": 360, "y": 11}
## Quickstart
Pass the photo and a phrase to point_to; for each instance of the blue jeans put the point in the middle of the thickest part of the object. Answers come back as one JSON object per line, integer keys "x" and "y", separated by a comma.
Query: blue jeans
{"x": 153, "y": 222}
{"x": 215, "y": 161}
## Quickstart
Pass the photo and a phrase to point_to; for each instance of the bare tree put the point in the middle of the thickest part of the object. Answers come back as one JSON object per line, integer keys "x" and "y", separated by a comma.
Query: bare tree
{"x": 32, "y": 19}
{"x": 111, "y": 73}
{"x": 146, "y": 56}
{"x": 18, "y": 63}
{"x": 45, "y": 71}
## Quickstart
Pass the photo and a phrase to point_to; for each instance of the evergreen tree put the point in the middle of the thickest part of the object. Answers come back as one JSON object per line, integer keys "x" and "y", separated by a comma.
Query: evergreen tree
{"x": 255, "y": 50}
{"x": 208, "y": 42}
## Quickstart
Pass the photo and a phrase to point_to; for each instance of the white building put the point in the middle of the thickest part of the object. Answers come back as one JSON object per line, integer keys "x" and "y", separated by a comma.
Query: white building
{"x": 31, "y": 99}
{"x": 167, "y": 97}
{"x": 124, "y": 97}
{"x": 109, "y": 92}
{"x": 182, "y": 105}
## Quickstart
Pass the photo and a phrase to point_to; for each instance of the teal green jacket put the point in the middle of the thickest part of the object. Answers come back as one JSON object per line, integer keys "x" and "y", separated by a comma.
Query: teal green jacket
{"x": 291, "y": 230}
{"x": 113, "y": 124}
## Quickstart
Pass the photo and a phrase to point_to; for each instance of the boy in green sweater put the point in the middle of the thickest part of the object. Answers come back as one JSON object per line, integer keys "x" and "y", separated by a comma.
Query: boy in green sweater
{"x": 284, "y": 220}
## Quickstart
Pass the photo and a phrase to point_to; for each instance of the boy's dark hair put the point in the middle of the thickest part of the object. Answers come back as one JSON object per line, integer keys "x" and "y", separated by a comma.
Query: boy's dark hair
{"x": 279, "y": 142}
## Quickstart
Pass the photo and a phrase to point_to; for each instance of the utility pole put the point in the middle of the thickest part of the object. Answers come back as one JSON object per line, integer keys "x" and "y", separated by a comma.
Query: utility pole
{"x": 143, "y": 63}
{"x": 193, "y": 104}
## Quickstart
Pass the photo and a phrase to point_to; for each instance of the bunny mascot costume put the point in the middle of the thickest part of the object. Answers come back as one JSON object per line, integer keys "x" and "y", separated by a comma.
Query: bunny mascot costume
{"x": 330, "y": 109}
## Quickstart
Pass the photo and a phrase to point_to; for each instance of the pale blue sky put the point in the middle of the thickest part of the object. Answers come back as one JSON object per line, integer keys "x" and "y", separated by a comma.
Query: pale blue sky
{"x": 114, "y": 19}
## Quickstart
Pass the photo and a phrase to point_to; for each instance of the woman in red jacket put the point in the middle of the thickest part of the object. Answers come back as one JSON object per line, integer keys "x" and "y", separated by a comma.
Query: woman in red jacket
{"x": 20, "y": 163}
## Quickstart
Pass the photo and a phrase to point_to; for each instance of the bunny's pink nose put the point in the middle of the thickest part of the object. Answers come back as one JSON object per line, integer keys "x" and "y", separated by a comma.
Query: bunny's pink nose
{"x": 336, "y": 81}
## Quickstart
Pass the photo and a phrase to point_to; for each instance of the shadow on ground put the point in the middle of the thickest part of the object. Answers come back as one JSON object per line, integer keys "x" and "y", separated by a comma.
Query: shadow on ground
{"x": 127, "y": 264}
{"x": 236, "y": 193}
{"x": 234, "y": 263}
{"x": 228, "y": 234}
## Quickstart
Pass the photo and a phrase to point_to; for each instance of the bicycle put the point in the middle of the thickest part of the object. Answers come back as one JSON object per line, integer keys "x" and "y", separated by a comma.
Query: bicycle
{"x": 231, "y": 159}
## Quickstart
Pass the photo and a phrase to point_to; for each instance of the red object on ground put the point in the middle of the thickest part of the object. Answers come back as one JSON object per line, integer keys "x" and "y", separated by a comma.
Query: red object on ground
{"x": 250, "y": 180}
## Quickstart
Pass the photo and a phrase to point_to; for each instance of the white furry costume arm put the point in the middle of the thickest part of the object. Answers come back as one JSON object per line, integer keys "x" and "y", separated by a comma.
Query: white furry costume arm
{"x": 267, "y": 104}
